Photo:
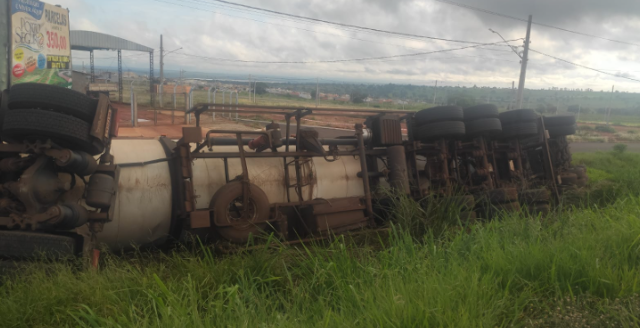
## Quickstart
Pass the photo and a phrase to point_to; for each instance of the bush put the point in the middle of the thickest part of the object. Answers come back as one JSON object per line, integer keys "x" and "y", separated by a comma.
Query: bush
{"x": 585, "y": 128}
{"x": 620, "y": 148}
{"x": 604, "y": 128}
{"x": 632, "y": 132}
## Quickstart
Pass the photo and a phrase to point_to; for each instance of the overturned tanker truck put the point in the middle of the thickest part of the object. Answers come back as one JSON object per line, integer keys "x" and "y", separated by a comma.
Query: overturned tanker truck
{"x": 69, "y": 184}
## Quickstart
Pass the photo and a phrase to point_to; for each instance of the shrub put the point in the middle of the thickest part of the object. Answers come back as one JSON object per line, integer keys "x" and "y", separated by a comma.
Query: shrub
{"x": 585, "y": 128}
{"x": 632, "y": 132}
{"x": 620, "y": 148}
{"x": 604, "y": 128}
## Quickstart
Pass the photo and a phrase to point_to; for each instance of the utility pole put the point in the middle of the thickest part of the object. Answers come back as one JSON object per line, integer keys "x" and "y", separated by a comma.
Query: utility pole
{"x": 435, "y": 92}
{"x": 523, "y": 68}
{"x": 161, "y": 71}
{"x": 609, "y": 111}
{"x": 255, "y": 85}
{"x": 317, "y": 89}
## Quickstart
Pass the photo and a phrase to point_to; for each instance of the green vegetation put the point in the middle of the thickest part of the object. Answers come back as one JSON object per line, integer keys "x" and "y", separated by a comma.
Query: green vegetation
{"x": 605, "y": 128}
{"x": 578, "y": 268}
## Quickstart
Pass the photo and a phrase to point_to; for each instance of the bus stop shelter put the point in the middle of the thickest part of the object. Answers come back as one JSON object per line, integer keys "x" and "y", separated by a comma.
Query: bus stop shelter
{"x": 92, "y": 41}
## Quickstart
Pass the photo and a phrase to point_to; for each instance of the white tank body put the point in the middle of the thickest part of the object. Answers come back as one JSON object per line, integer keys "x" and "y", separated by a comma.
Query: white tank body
{"x": 143, "y": 199}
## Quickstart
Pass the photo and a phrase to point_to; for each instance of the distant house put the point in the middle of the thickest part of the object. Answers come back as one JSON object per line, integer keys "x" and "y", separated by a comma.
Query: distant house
{"x": 368, "y": 99}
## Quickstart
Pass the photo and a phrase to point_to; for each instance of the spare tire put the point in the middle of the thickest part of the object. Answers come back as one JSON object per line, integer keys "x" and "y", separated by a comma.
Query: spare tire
{"x": 523, "y": 129}
{"x": 447, "y": 129}
{"x": 485, "y": 126}
{"x": 518, "y": 115}
{"x": 36, "y": 124}
{"x": 559, "y": 120}
{"x": 438, "y": 114}
{"x": 237, "y": 229}
{"x": 33, "y": 245}
{"x": 59, "y": 99}
{"x": 561, "y": 131}
{"x": 480, "y": 111}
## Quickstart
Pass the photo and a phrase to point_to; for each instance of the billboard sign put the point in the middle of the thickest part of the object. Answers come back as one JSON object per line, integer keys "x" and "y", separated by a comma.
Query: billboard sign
{"x": 40, "y": 49}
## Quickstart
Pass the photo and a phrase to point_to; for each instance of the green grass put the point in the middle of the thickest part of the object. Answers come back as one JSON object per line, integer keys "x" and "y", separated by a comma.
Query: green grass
{"x": 580, "y": 267}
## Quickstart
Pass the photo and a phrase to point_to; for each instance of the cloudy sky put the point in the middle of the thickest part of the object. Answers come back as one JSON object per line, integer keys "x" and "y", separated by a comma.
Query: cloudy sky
{"x": 215, "y": 31}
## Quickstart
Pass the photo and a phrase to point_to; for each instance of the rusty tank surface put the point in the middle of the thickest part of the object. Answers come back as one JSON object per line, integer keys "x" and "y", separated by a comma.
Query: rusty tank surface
{"x": 69, "y": 184}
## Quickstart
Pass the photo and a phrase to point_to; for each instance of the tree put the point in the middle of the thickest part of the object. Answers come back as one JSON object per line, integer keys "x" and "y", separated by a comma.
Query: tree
{"x": 357, "y": 96}
{"x": 261, "y": 88}
{"x": 313, "y": 94}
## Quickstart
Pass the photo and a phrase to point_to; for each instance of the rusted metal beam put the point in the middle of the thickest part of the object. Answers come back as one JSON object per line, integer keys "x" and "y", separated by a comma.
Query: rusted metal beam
{"x": 375, "y": 152}
{"x": 365, "y": 173}
{"x": 321, "y": 109}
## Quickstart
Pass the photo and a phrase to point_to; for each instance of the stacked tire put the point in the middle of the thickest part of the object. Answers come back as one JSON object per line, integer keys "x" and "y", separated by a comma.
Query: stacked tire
{"x": 560, "y": 125}
{"x": 536, "y": 201}
{"x": 482, "y": 120}
{"x": 41, "y": 112}
{"x": 442, "y": 122}
{"x": 498, "y": 201}
{"x": 519, "y": 123}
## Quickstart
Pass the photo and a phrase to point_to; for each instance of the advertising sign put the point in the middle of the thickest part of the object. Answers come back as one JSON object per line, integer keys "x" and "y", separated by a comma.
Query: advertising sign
{"x": 41, "y": 51}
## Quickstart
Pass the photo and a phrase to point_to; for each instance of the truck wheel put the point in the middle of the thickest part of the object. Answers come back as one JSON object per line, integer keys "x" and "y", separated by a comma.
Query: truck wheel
{"x": 35, "y": 124}
{"x": 518, "y": 115}
{"x": 502, "y": 195}
{"x": 227, "y": 207}
{"x": 485, "y": 126}
{"x": 568, "y": 179}
{"x": 521, "y": 130}
{"x": 480, "y": 111}
{"x": 466, "y": 203}
{"x": 559, "y": 131}
{"x": 4, "y": 107}
{"x": 50, "y": 97}
{"x": 559, "y": 120}
{"x": 439, "y": 114}
{"x": 532, "y": 196}
{"x": 447, "y": 129}
{"x": 33, "y": 245}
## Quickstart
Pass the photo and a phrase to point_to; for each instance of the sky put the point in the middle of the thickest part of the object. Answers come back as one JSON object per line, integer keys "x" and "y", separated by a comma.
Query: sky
{"x": 213, "y": 31}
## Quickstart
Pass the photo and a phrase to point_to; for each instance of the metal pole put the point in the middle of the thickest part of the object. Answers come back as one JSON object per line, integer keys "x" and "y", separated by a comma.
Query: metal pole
{"x": 609, "y": 110}
{"x": 120, "y": 86}
{"x": 317, "y": 89}
{"x": 255, "y": 84}
{"x": 435, "y": 92}
{"x": 93, "y": 68}
{"x": 523, "y": 68}
{"x": 214, "y": 101}
{"x": 161, "y": 71}
{"x": 237, "y": 103}
{"x": 133, "y": 122}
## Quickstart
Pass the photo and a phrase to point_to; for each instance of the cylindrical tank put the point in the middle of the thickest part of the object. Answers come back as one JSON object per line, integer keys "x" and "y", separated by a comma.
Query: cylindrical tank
{"x": 142, "y": 213}
{"x": 143, "y": 198}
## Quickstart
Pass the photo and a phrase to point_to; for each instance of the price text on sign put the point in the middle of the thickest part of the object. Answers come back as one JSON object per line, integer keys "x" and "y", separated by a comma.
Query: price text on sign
{"x": 55, "y": 41}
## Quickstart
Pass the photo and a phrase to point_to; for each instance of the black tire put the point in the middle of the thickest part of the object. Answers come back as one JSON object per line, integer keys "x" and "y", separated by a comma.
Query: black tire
{"x": 532, "y": 196}
{"x": 518, "y": 115}
{"x": 519, "y": 130}
{"x": 501, "y": 196}
{"x": 560, "y": 131}
{"x": 50, "y": 97}
{"x": 4, "y": 105}
{"x": 463, "y": 202}
{"x": 541, "y": 210}
{"x": 241, "y": 231}
{"x": 32, "y": 245}
{"x": 485, "y": 126}
{"x": 438, "y": 114}
{"x": 468, "y": 217}
{"x": 447, "y": 129}
{"x": 568, "y": 179}
{"x": 36, "y": 124}
{"x": 480, "y": 111}
{"x": 508, "y": 207}
{"x": 559, "y": 120}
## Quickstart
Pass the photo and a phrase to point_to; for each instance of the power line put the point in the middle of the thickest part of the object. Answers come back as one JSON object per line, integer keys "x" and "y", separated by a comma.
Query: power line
{"x": 345, "y": 25}
{"x": 337, "y": 60}
{"x": 582, "y": 66}
{"x": 486, "y": 11}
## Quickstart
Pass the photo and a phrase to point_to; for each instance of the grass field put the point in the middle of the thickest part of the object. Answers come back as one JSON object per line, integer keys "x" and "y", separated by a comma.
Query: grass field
{"x": 578, "y": 268}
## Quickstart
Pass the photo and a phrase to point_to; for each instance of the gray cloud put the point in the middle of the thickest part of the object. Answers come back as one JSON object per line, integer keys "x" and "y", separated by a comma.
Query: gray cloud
{"x": 204, "y": 33}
